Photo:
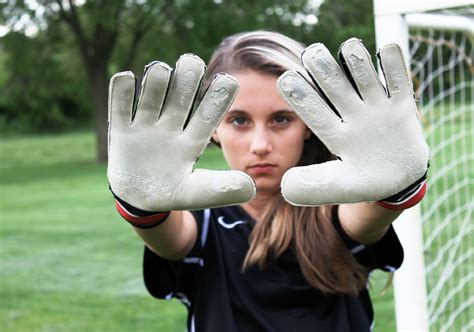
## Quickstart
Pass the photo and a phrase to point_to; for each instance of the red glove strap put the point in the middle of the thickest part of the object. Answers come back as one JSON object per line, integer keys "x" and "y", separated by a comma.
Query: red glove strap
{"x": 410, "y": 201}
{"x": 141, "y": 222}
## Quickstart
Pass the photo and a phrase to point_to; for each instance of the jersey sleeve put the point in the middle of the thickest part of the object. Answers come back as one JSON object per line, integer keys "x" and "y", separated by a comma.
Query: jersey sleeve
{"x": 166, "y": 279}
{"x": 385, "y": 254}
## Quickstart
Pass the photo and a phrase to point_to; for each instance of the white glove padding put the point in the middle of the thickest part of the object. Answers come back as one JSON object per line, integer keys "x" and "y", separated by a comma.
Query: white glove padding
{"x": 151, "y": 156}
{"x": 377, "y": 138}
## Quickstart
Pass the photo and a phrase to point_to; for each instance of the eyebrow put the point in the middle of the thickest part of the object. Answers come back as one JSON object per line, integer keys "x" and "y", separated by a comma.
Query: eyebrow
{"x": 285, "y": 111}
{"x": 282, "y": 111}
{"x": 237, "y": 111}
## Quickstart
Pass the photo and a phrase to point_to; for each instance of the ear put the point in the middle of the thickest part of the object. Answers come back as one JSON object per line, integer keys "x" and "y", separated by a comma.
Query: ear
{"x": 215, "y": 137}
{"x": 307, "y": 134}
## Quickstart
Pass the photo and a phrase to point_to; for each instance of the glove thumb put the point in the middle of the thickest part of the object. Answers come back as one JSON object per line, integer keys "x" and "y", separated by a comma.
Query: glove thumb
{"x": 333, "y": 182}
{"x": 206, "y": 188}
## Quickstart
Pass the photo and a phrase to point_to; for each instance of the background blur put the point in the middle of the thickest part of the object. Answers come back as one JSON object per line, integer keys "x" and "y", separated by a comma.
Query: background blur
{"x": 61, "y": 54}
{"x": 67, "y": 261}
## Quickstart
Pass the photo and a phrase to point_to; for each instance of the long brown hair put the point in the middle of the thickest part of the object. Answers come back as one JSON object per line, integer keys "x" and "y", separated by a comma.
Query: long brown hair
{"x": 325, "y": 261}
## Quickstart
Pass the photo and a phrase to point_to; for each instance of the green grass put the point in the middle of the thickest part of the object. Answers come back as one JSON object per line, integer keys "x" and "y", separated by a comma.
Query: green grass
{"x": 68, "y": 261}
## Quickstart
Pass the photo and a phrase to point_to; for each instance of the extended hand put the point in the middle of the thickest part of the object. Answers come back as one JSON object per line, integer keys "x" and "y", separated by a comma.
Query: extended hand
{"x": 376, "y": 134}
{"x": 151, "y": 156}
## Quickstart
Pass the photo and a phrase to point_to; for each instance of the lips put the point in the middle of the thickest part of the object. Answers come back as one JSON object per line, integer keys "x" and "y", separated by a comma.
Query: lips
{"x": 263, "y": 168}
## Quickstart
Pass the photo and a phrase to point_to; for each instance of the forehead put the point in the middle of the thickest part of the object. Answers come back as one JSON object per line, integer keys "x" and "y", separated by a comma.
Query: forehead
{"x": 257, "y": 93}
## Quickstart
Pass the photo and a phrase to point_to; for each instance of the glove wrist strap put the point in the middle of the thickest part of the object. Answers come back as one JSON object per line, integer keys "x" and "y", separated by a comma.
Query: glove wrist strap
{"x": 150, "y": 221}
{"x": 139, "y": 218}
{"x": 406, "y": 198}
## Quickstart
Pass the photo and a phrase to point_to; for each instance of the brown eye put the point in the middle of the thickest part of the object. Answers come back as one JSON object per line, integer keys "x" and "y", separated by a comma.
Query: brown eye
{"x": 238, "y": 121}
{"x": 281, "y": 120}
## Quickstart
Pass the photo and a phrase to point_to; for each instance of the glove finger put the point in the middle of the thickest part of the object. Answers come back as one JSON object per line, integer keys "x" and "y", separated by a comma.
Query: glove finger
{"x": 357, "y": 60}
{"x": 121, "y": 98}
{"x": 310, "y": 106}
{"x": 154, "y": 86}
{"x": 330, "y": 78}
{"x": 212, "y": 108}
{"x": 395, "y": 72}
{"x": 205, "y": 188}
{"x": 333, "y": 182}
{"x": 185, "y": 84}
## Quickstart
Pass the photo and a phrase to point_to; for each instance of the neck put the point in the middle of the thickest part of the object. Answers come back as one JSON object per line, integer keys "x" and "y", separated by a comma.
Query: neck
{"x": 258, "y": 206}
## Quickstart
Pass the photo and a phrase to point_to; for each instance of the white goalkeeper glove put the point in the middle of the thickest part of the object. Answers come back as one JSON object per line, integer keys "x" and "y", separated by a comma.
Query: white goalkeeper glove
{"x": 377, "y": 136}
{"x": 151, "y": 156}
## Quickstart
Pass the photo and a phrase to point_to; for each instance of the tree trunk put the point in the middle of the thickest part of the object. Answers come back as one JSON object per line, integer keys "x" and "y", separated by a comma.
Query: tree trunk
{"x": 99, "y": 93}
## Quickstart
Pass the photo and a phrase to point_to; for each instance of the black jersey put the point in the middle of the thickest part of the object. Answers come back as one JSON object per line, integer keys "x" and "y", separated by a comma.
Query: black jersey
{"x": 221, "y": 297}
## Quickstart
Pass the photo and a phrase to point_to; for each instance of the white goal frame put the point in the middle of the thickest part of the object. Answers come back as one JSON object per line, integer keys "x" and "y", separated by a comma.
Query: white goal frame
{"x": 392, "y": 21}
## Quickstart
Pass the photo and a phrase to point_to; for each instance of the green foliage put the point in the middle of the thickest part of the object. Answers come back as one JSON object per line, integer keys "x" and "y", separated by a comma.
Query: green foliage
{"x": 47, "y": 84}
{"x": 43, "y": 88}
{"x": 340, "y": 20}
{"x": 199, "y": 26}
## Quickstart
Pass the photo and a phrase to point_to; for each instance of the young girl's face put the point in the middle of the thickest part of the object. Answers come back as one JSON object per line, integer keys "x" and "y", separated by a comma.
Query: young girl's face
{"x": 260, "y": 134}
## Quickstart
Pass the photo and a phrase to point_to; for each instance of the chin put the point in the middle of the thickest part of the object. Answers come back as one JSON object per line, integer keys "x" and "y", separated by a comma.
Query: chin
{"x": 267, "y": 185}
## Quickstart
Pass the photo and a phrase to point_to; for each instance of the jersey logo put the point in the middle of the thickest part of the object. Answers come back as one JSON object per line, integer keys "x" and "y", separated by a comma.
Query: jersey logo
{"x": 222, "y": 222}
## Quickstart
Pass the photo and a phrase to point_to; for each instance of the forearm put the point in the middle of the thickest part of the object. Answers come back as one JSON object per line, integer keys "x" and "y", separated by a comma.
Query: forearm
{"x": 172, "y": 239}
{"x": 366, "y": 222}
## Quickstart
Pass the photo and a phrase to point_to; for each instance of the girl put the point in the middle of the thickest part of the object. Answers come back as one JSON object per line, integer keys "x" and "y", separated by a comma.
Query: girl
{"x": 274, "y": 262}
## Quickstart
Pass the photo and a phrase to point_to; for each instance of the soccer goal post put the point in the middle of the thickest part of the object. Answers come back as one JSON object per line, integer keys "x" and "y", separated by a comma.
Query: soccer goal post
{"x": 434, "y": 289}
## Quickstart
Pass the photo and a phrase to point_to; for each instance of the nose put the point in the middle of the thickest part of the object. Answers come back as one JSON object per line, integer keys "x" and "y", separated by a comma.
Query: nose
{"x": 261, "y": 141}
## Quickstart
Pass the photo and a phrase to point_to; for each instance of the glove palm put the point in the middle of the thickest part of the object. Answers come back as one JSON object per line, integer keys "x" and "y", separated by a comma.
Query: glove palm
{"x": 151, "y": 156}
{"x": 376, "y": 136}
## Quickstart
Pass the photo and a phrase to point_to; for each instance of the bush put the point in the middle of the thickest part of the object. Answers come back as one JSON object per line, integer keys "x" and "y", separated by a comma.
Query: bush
{"x": 43, "y": 90}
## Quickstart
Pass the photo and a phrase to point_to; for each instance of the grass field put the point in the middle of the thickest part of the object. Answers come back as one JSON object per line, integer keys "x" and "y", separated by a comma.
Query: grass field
{"x": 68, "y": 261}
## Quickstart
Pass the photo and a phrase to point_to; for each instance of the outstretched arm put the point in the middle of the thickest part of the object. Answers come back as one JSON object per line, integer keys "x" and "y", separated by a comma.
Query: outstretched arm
{"x": 373, "y": 130}
{"x": 152, "y": 152}
{"x": 366, "y": 222}
{"x": 172, "y": 239}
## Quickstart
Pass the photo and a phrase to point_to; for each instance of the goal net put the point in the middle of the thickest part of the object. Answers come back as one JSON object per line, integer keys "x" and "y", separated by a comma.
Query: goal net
{"x": 442, "y": 68}
{"x": 438, "y": 44}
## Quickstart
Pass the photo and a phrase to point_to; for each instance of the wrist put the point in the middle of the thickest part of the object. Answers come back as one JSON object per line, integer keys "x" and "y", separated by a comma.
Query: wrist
{"x": 406, "y": 198}
{"x": 137, "y": 217}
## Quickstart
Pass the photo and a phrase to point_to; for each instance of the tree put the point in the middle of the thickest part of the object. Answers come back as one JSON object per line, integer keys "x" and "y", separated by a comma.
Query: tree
{"x": 111, "y": 36}
{"x": 97, "y": 26}
{"x": 167, "y": 28}
{"x": 34, "y": 95}
{"x": 339, "y": 20}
